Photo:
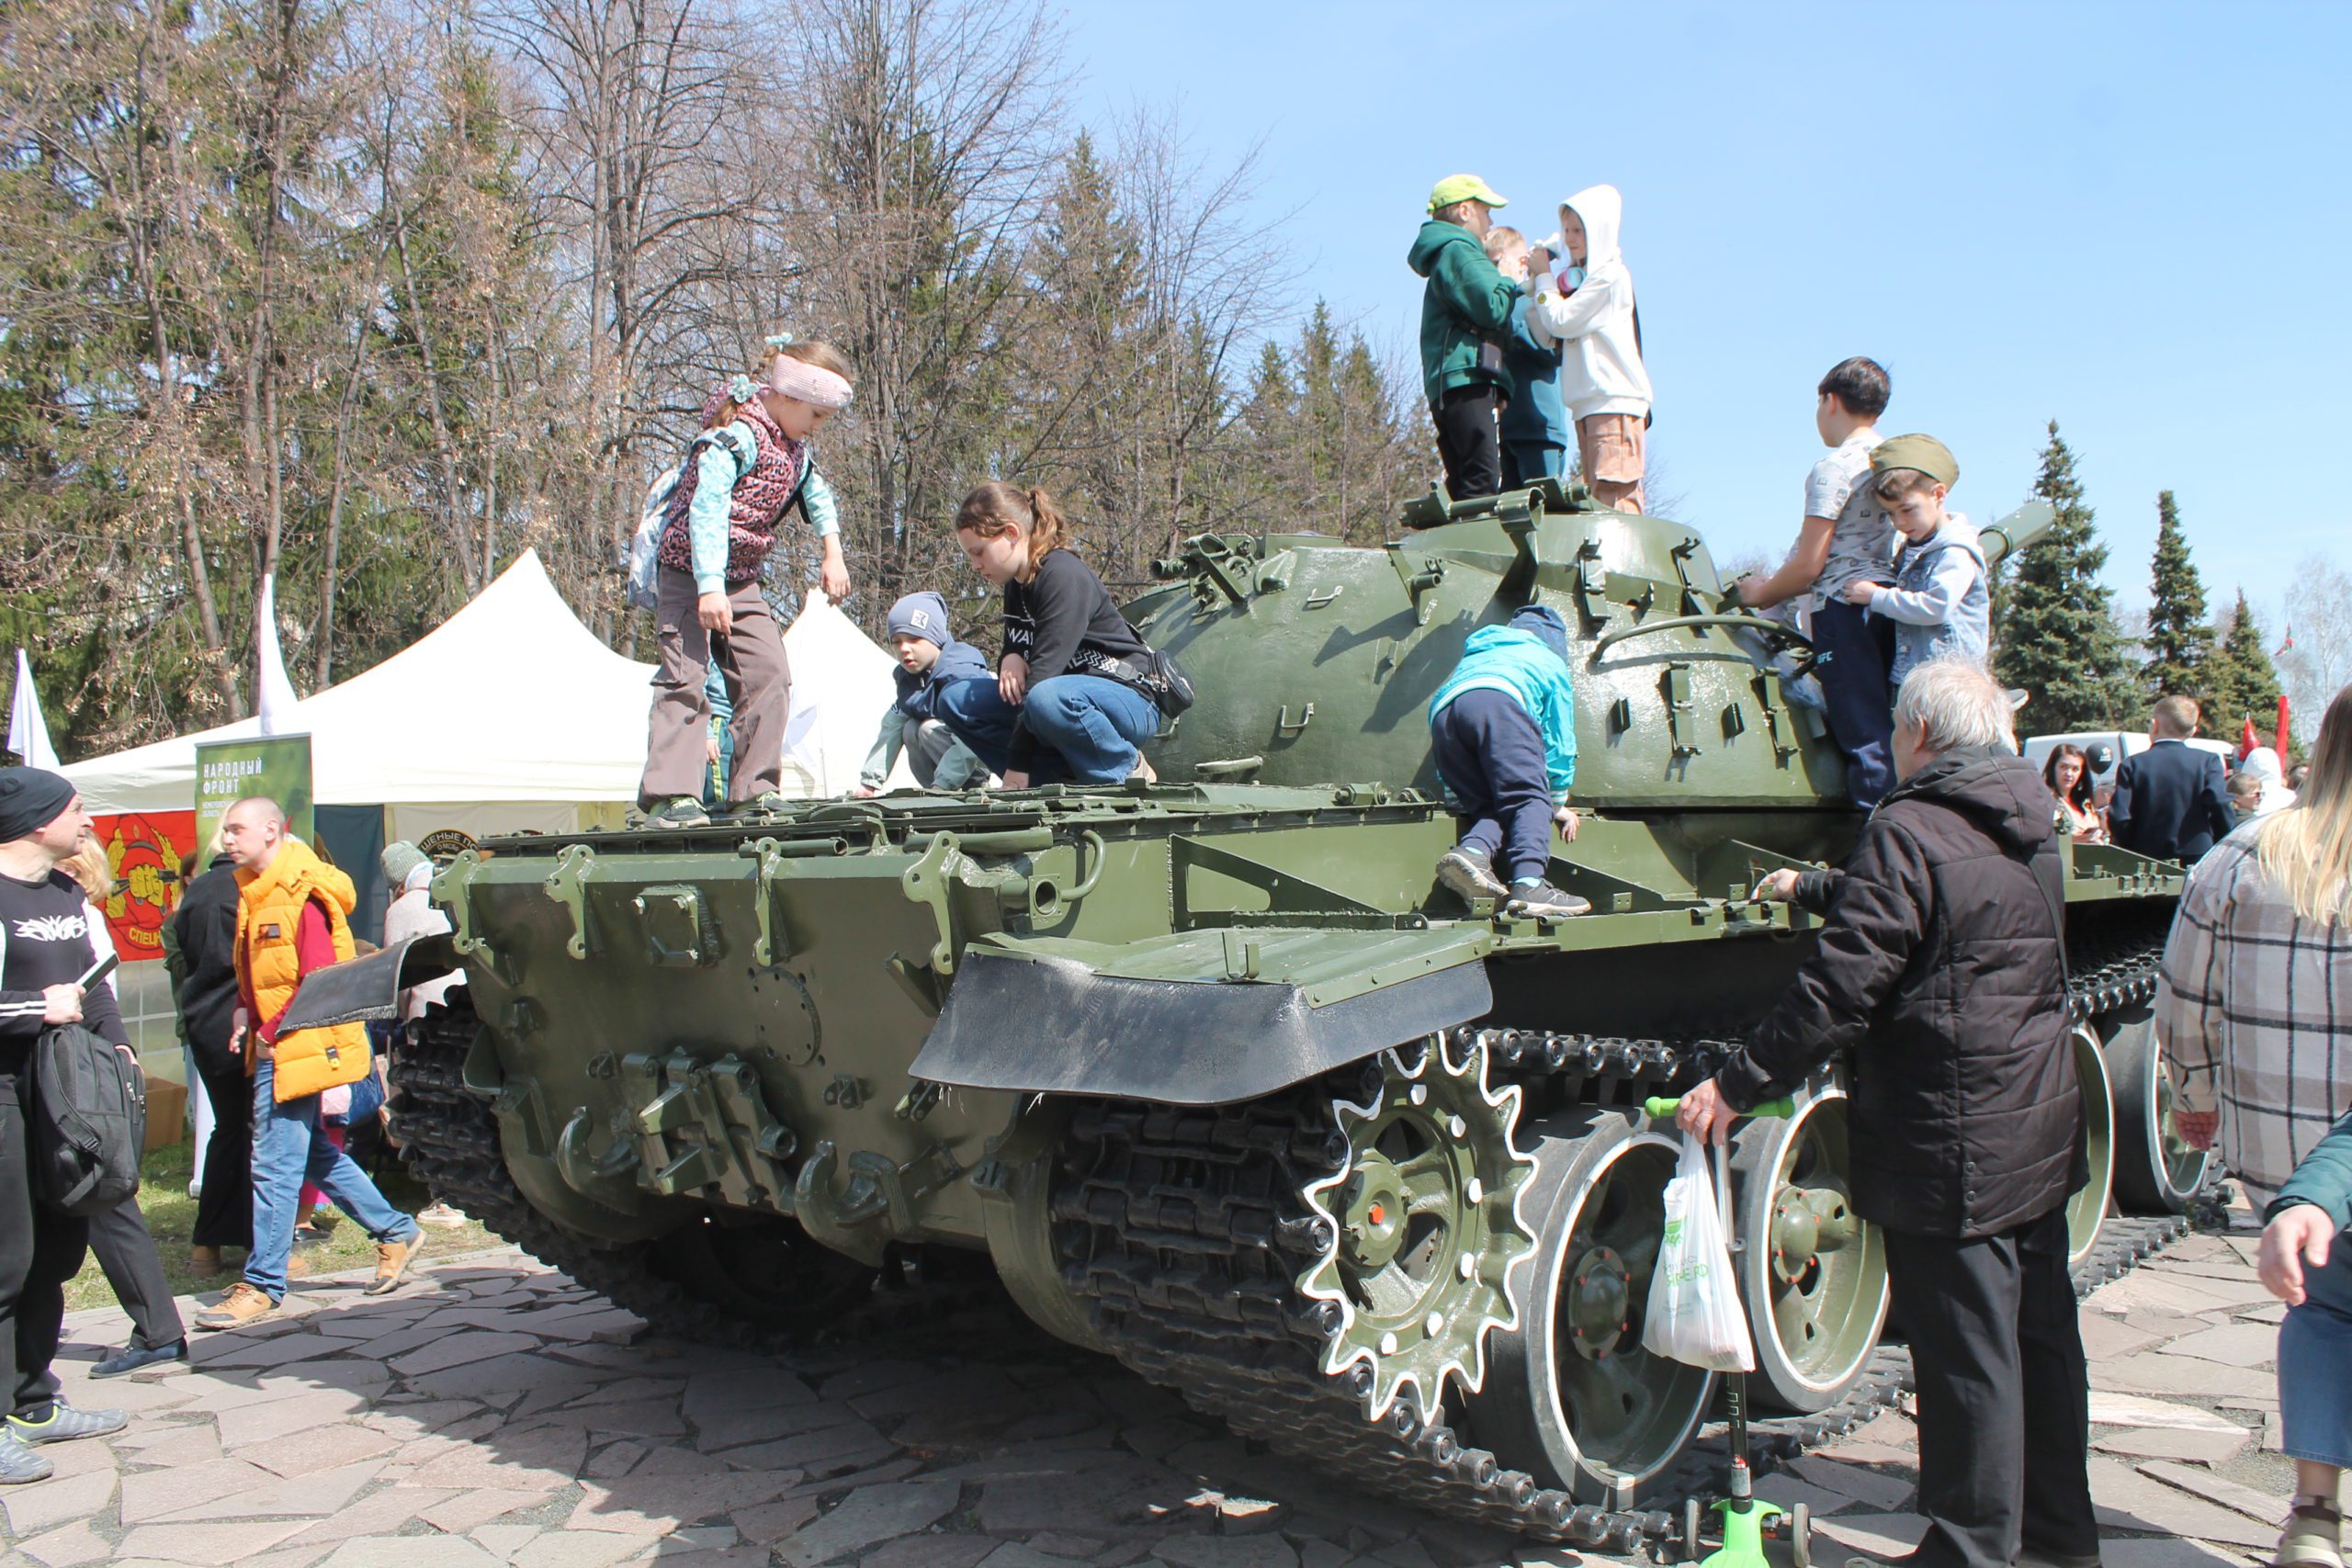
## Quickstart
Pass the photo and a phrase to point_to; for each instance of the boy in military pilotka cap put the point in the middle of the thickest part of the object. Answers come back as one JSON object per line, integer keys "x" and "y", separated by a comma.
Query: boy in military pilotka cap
{"x": 1940, "y": 601}
{"x": 1466, "y": 317}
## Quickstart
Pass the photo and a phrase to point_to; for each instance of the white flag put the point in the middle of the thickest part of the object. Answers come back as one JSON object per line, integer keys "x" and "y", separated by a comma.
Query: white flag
{"x": 27, "y": 736}
{"x": 274, "y": 697}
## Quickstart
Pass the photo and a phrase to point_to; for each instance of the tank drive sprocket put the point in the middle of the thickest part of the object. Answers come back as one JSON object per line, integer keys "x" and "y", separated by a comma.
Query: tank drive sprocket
{"x": 1424, "y": 1227}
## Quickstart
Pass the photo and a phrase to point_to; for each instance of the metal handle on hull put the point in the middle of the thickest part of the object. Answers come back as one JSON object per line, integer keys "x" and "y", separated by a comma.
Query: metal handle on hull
{"x": 1752, "y": 623}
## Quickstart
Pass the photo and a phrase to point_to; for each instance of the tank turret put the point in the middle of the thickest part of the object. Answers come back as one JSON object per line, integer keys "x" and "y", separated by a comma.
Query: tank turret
{"x": 1322, "y": 655}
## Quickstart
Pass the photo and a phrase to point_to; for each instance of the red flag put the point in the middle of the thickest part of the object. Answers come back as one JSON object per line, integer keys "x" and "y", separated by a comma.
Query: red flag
{"x": 2248, "y": 741}
{"x": 2282, "y": 733}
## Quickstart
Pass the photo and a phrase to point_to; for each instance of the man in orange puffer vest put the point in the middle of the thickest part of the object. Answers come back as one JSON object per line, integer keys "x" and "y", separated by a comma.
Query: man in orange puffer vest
{"x": 293, "y": 912}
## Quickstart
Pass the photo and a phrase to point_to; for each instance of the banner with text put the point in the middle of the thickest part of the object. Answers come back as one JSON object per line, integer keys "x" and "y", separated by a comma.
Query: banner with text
{"x": 144, "y": 849}
{"x": 277, "y": 766}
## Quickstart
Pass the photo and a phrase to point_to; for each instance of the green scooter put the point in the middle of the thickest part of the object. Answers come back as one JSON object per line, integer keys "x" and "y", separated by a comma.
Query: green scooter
{"x": 1747, "y": 1520}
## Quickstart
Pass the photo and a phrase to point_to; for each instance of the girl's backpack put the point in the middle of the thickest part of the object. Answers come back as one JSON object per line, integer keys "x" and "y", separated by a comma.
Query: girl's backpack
{"x": 644, "y": 571}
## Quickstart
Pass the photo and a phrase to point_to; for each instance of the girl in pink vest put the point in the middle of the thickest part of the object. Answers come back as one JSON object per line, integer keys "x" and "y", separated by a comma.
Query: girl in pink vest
{"x": 751, "y": 463}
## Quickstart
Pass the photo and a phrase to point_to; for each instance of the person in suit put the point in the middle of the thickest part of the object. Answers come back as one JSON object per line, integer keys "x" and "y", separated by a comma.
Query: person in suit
{"x": 2172, "y": 801}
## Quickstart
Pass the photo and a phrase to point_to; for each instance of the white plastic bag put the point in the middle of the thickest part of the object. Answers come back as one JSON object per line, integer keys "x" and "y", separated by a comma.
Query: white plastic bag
{"x": 1694, "y": 1315}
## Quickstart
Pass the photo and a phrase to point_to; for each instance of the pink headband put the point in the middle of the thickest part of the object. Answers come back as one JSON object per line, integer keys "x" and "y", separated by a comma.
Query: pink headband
{"x": 807, "y": 383}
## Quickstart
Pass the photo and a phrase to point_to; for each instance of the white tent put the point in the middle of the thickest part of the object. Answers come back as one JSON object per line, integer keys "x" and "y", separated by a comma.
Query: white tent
{"x": 511, "y": 700}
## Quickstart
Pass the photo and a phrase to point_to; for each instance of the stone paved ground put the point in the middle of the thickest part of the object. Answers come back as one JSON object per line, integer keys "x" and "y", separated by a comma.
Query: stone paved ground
{"x": 489, "y": 1413}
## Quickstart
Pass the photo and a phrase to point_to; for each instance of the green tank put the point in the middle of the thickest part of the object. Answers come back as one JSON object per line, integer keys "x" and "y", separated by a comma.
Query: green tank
{"x": 1208, "y": 1071}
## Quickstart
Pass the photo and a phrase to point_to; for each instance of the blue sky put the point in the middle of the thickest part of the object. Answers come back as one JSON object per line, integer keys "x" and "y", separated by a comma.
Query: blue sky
{"x": 2134, "y": 219}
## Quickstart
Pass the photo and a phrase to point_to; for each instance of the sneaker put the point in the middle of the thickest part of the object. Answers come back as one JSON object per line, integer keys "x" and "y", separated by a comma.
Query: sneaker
{"x": 296, "y": 1266}
{"x": 758, "y": 805}
{"x": 20, "y": 1464}
{"x": 243, "y": 1304}
{"x": 1545, "y": 902}
{"x": 64, "y": 1424}
{"x": 440, "y": 1215}
{"x": 1468, "y": 873}
{"x": 168, "y": 1357}
{"x": 392, "y": 1258}
{"x": 205, "y": 1260}
{"x": 1143, "y": 769}
{"x": 678, "y": 811}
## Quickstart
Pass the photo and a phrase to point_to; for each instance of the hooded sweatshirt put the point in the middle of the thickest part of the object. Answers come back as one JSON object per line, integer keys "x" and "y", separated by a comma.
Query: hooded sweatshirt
{"x": 1465, "y": 310}
{"x": 1940, "y": 974}
{"x": 1601, "y": 370}
{"x": 1940, "y": 603}
{"x": 1524, "y": 668}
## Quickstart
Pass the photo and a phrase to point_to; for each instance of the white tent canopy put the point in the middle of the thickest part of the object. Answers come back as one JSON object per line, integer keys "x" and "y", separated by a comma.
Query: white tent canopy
{"x": 511, "y": 699}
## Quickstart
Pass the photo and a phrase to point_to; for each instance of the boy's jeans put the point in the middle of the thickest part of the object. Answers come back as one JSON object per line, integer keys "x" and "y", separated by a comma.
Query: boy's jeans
{"x": 1088, "y": 728}
{"x": 288, "y": 1147}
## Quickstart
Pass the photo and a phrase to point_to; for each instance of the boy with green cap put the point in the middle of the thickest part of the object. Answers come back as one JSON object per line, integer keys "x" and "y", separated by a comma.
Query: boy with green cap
{"x": 1940, "y": 603}
{"x": 1465, "y": 317}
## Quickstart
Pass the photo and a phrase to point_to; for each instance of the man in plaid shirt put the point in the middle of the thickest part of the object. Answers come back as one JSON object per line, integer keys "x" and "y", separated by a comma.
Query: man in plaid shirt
{"x": 2255, "y": 1005}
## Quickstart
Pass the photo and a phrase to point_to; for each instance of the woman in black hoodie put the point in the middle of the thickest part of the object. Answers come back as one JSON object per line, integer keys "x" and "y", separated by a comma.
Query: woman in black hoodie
{"x": 1068, "y": 701}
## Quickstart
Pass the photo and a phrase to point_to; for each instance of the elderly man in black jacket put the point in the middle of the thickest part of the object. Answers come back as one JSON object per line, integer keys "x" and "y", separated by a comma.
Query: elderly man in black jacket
{"x": 1940, "y": 973}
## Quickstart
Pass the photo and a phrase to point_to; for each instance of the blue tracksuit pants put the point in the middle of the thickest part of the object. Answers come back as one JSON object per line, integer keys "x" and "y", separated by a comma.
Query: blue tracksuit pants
{"x": 1491, "y": 756}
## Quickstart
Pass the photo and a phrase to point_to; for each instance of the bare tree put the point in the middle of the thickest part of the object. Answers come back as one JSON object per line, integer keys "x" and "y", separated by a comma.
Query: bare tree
{"x": 2317, "y": 660}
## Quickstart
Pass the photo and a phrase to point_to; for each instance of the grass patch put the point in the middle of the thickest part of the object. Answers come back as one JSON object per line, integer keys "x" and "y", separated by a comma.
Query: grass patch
{"x": 171, "y": 1218}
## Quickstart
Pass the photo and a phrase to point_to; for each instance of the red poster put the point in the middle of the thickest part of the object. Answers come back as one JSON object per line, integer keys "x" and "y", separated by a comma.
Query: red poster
{"x": 145, "y": 850}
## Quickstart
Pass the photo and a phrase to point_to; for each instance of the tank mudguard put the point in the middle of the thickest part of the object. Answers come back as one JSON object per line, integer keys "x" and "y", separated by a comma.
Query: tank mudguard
{"x": 361, "y": 989}
{"x": 1199, "y": 1018}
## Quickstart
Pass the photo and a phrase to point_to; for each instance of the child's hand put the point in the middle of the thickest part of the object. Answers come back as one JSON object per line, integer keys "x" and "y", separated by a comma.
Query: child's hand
{"x": 833, "y": 574}
{"x": 1565, "y": 818}
{"x": 1015, "y": 779}
{"x": 1861, "y": 594}
{"x": 1012, "y": 678}
{"x": 865, "y": 792}
{"x": 715, "y": 614}
{"x": 1778, "y": 887}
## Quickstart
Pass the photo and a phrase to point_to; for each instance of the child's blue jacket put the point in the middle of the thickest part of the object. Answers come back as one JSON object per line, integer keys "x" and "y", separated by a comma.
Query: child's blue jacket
{"x": 1518, "y": 663}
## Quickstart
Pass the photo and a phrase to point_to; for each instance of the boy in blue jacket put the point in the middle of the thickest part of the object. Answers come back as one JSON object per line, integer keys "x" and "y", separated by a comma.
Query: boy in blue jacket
{"x": 1534, "y": 424}
{"x": 929, "y": 659}
{"x": 1503, "y": 727}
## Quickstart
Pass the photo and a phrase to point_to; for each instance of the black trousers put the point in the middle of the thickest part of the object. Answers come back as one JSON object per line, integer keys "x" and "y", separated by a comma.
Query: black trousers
{"x": 2004, "y": 1394}
{"x": 127, "y": 1252}
{"x": 1469, "y": 443}
{"x": 224, "y": 1214}
{"x": 39, "y": 1250}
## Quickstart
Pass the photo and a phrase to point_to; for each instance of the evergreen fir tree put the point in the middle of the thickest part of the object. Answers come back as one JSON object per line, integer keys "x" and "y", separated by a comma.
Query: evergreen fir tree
{"x": 2057, "y": 637}
{"x": 2180, "y": 639}
{"x": 2239, "y": 681}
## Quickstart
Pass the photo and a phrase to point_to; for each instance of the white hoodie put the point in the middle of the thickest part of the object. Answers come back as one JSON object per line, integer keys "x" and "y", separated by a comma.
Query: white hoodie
{"x": 1601, "y": 365}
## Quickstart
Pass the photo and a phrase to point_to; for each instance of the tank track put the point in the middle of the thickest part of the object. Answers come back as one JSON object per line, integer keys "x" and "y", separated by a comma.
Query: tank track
{"x": 449, "y": 1142}
{"x": 1182, "y": 1229}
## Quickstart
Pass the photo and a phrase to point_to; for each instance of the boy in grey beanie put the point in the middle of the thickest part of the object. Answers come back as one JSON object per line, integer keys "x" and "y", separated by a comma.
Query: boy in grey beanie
{"x": 929, "y": 659}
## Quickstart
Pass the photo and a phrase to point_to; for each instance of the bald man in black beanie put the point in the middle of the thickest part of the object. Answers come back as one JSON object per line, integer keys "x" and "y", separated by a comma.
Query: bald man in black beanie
{"x": 44, "y": 950}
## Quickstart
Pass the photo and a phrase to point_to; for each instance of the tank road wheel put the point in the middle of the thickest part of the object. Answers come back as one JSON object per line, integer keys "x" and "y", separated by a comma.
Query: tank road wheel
{"x": 1423, "y": 1229}
{"x": 2156, "y": 1173}
{"x": 2086, "y": 1210}
{"x": 1815, "y": 1286}
{"x": 1573, "y": 1398}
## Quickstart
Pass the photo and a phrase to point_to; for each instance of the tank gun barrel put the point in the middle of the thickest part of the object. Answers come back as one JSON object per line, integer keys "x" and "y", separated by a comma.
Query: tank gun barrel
{"x": 2010, "y": 534}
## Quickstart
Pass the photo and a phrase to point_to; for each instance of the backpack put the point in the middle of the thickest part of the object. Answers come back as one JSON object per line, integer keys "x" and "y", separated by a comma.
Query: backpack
{"x": 89, "y": 1122}
{"x": 643, "y": 570}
